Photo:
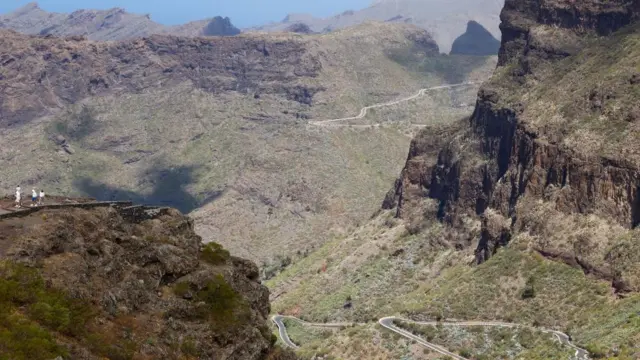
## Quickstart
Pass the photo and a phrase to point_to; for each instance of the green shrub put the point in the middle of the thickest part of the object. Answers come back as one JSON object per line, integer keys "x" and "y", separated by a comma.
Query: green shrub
{"x": 214, "y": 254}
{"x": 465, "y": 353}
{"x": 595, "y": 351}
{"x": 26, "y": 334}
{"x": 222, "y": 307}
{"x": 189, "y": 348}
{"x": 21, "y": 339}
{"x": 181, "y": 288}
{"x": 529, "y": 290}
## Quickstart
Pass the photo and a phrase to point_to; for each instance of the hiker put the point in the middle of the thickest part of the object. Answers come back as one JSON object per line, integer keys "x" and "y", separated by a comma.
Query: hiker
{"x": 34, "y": 197}
{"x": 18, "y": 197}
{"x": 41, "y": 199}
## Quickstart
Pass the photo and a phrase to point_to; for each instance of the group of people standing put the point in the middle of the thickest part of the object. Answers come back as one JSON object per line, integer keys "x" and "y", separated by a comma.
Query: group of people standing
{"x": 36, "y": 198}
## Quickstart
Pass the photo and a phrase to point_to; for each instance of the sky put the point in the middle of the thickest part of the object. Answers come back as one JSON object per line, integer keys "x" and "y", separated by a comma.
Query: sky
{"x": 243, "y": 13}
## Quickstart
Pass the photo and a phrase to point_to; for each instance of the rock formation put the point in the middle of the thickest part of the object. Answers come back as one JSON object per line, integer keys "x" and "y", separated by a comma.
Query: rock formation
{"x": 476, "y": 41}
{"x": 118, "y": 283}
{"x": 531, "y": 142}
{"x": 64, "y": 71}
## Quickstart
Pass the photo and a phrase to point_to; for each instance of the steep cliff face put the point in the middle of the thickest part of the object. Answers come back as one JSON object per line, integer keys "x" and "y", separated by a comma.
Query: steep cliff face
{"x": 557, "y": 123}
{"x": 52, "y": 72}
{"x": 103, "y": 283}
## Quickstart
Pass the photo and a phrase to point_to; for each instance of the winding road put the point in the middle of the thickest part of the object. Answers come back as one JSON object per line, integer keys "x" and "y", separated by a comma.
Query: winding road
{"x": 363, "y": 111}
{"x": 388, "y": 323}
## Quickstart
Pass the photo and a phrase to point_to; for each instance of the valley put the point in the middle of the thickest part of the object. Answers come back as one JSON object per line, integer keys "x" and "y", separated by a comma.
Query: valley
{"x": 232, "y": 147}
{"x": 523, "y": 213}
{"x": 347, "y": 194}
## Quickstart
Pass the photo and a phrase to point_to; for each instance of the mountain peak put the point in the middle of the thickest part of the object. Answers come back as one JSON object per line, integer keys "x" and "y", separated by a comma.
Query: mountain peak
{"x": 477, "y": 40}
{"x": 27, "y": 8}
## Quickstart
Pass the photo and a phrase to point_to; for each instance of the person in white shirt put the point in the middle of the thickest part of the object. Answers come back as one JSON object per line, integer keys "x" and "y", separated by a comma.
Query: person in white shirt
{"x": 34, "y": 197}
{"x": 18, "y": 197}
{"x": 41, "y": 199}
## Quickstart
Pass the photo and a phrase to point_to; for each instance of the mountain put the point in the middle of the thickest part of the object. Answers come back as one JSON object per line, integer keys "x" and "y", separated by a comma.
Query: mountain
{"x": 525, "y": 212}
{"x": 95, "y": 281}
{"x": 113, "y": 24}
{"x": 476, "y": 41}
{"x": 220, "y": 127}
{"x": 444, "y": 19}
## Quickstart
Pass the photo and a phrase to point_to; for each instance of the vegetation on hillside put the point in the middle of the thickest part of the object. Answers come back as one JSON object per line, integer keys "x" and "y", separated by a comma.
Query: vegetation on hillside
{"x": 487, "y": 343}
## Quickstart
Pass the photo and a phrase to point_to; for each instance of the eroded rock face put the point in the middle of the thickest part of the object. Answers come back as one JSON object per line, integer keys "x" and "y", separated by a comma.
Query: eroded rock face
{"x": 153, "y": 274}
{"x": 54, "y": 72}
{"x": 506, "y": 153}
{"x": 518, "y": 18}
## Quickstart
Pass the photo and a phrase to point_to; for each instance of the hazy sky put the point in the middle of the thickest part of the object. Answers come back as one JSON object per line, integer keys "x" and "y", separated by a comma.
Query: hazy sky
{"x": 243, "y": 13}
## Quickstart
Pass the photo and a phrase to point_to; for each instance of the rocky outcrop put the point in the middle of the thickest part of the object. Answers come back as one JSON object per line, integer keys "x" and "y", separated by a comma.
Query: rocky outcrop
{"x": 299, "y": 28}
{"x": 510, "y": 151}
{"x": 40, "y": 74}
{"x": 219, "y": 26}
{"x": 152, "y": 289}
{"x": 519, "y": 17}
{"x": 476, "y": 41}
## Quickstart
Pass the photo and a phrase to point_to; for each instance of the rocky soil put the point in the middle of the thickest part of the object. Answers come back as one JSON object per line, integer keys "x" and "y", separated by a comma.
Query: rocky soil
{"x": 147, "y": 289}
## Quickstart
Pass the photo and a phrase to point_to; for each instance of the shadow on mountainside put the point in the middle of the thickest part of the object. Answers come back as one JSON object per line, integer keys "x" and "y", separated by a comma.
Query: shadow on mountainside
{"x": 168, "y": 190}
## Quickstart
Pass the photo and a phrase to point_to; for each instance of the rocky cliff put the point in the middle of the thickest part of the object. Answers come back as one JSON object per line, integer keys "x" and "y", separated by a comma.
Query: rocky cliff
{"x": 41, "y": 74}
{"x": 111, "y": 24}
{"x": 554, "y": 129}
{"x": 122, "y": 284}
{"x": 476, "y": 41}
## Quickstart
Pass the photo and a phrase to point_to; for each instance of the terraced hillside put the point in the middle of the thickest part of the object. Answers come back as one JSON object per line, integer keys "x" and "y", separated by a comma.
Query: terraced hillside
{"x": 219, "y": 126}
{"x": 525, "y": 212}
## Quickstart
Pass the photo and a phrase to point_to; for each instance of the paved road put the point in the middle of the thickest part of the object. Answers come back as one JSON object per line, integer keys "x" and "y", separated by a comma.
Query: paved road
{"x": 282, "y": 331}
{"x": 387, "y": 322}
{"x": 364, "y": 110}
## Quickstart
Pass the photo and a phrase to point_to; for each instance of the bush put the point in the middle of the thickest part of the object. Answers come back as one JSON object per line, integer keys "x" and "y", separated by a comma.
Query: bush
{"x": 21, "y": 339}
{"x": 529, "y": 290}
{"x": 214, "y": 254}
{"x": 189, "y": 348}
{"x": 26, "y": 334}
{"x": 596, "y": 351}
{"x": 222, "y": 307}
{"x": 181, "y": 289}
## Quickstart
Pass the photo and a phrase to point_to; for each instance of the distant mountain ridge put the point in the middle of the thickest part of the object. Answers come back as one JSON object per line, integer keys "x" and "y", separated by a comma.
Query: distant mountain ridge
{"x": 444, "y": 19}
{"x": 111, "y": 24}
